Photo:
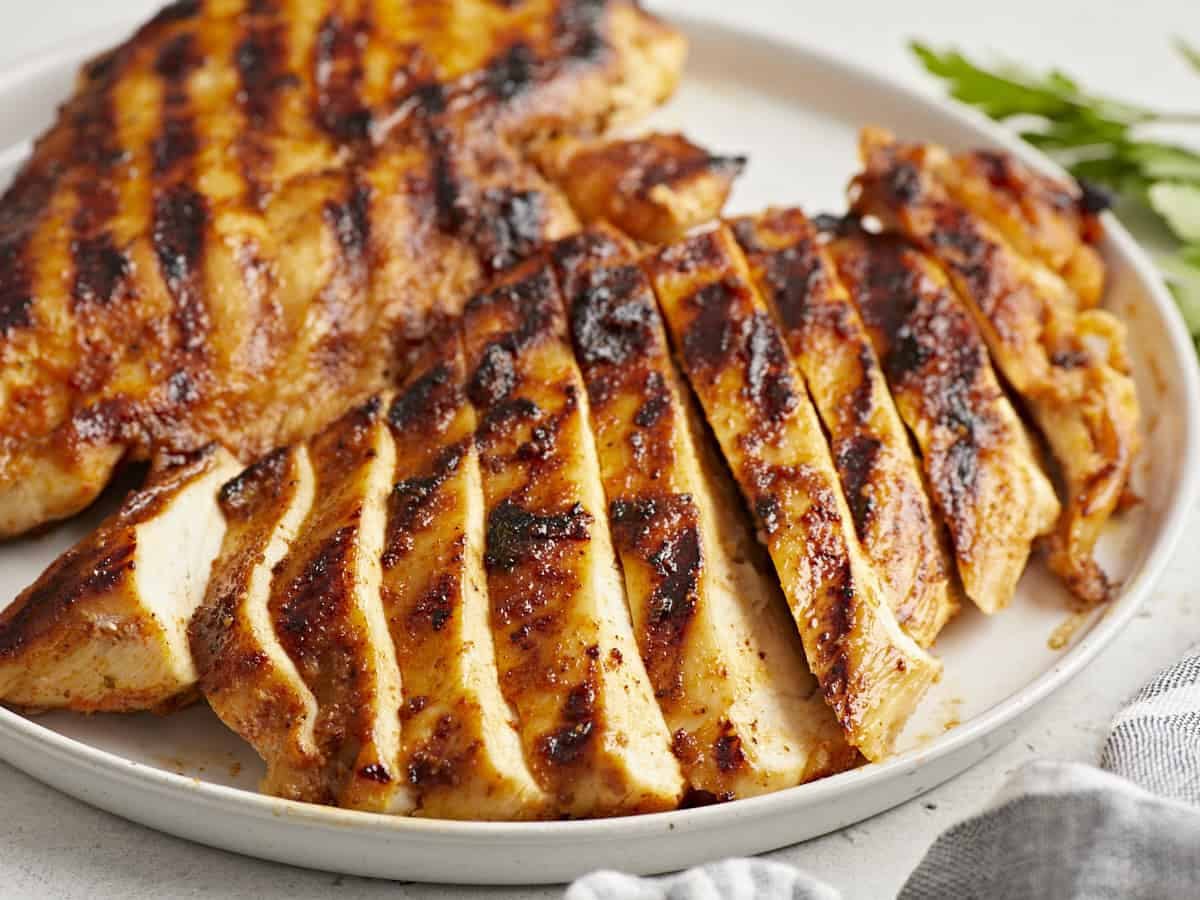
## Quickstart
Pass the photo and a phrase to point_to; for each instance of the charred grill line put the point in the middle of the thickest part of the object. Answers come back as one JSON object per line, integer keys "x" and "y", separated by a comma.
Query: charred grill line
{"x": 337, "y": 73}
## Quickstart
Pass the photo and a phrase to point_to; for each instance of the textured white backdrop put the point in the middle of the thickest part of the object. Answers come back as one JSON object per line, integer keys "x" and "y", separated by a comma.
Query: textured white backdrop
{"x": 52, "y": 846}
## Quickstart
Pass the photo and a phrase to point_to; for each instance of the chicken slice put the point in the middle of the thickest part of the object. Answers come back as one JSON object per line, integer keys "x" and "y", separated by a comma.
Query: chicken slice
{"x": 246, "y": 675}
{"x": 872, "y": 674}
{"x": 462, "y": 753}
{"x": 104, "y": 629}
{"x": 979, "y": 463}
{"x": 655, "y": 188}
{"x": 880, "y": 477}
{"x": 1067, "y": 362}
{"x": 328, "y": 614}
{"x": 569, "y": 663}
{"x": 715, "y": 633}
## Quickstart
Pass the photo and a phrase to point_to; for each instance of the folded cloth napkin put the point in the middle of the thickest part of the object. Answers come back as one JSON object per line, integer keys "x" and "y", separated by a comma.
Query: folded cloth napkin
{"x": 1057, "y": 830}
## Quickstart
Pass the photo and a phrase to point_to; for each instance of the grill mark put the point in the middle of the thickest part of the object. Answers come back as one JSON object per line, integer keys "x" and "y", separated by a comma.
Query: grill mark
{"x": 413, "y": 505}
{"x": 176, "y": 143}
{"x": 508, "y": 227}
{"x": 428, "y": 402}
{"x": 579, "y": 29}
{"x": 516, "y": 536}
{"x": 350, "y": 221}
{"x": 856, "y": 462}
{"x": 568, "y": 743}
{"x": 511, "y": 73}
{"x": 100, "y": 269}
{"x": 768, "y": 372}
{"x": 436, "y": 608}
{"x": 180, "y": 222}
{"x": 16, "y": 292}
{"x": 338, "y": 73}
{"x": 613, "y": 315}
{"x": 262, "y": 66}
{"x": 78, "y": 577}
{"x": 241, "y": 496}
{"x": 663, "y": 532}
{"x": 314, "y": 601}
{"x": 657, "y": 402}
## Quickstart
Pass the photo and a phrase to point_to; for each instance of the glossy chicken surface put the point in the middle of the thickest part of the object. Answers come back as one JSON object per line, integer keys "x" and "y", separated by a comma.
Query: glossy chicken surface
{"x": 1064, "y": 358}
{"x": 980, "y": 466}
{"x": 249, "y": 209}
{"x": 724, "y": 660}
{"x": 879, "y": 475}
{"x": 871, "y": 673}
{"x": 565, "y": 646}
{"x": 105, "y": 627}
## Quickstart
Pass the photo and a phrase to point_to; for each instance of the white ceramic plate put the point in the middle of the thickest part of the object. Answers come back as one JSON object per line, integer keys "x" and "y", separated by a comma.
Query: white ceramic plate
{"x": 795, "y": 111}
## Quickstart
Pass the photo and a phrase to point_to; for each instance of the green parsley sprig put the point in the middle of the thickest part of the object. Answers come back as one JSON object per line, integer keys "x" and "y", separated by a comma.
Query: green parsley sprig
{"x": 1100, "y": 141}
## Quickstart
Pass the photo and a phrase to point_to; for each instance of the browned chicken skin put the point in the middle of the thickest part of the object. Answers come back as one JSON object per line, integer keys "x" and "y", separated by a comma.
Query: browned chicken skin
{"x": 249, "y": 205}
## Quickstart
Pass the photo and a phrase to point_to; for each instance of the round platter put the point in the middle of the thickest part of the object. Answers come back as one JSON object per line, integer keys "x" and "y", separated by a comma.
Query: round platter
{"x": 795, "y": 112}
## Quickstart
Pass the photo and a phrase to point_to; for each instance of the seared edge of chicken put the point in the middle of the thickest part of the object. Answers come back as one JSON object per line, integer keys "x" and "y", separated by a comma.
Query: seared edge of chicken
{"x": 733, "y": 689}
{"x": 871, "y": 673}
{"x": 462, "y": 753}
{"x": 328, "y": 614}
{"x": 568, "y": 660}
{"x": 979, "y": 463}
{"x": 104, "y": 629}
{"x": 654, "y": 188}
{"x": 239, "y": 207}
{"x": 246, "y": 675}
{"x": 881, "y": 479}
{"x": 1067, "y": 362}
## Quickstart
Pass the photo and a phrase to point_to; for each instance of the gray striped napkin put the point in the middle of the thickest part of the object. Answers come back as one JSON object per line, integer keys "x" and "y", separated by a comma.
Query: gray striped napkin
{"x": 1057, "y": 831}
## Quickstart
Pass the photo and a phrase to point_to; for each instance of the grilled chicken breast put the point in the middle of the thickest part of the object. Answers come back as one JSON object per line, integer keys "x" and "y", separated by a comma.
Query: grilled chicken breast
{"x": 462, "y": 753}
{"x": 979, "y": 463}
{"x": 654, "y": 188}
{"x": 871, "y": 673}
{"x": 568, "y": 660}
{"x": 880, "y": 477}
{"x": 248, "y": 204}
{"x": 1067, "y": 361}
{"x": 105, "y": 628}
{"x": 246, "y": 675}
{"x": 328, "y": 615}
{"x": 722, "y": 655}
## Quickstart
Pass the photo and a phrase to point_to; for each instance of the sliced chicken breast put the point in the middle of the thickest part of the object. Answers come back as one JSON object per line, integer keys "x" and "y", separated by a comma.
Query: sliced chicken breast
{"x": 105, "y": 627}
{"x": 979, "y": 463}
{"x": 568, "y": 660}
{"x": 327, "y": 612}
{"x": 1067, "y": 362}
{"x": 722, "y": 655}
{"x": 246, "y": 675}
{"x": 880, "y": 477}
{"x": 872, "y": 674}
{"x": 461, "y": 750}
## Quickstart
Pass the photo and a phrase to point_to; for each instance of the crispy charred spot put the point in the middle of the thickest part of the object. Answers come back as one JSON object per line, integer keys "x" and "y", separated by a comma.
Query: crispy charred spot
{"x": 337, "y": 72}
{"x": 695, "y": 798}
{"x": 413, "y": 504}
{"x": 516, "y": 535}
{"x": 511, "y": 73}
{"x": 241, "y": 496}
{"x": 769, "y": 380}
{"x": 663, "y": 531}
{"x": 261, "y": 62}
{"x": 375, "y": 772}
{"x": 613, "y": 315}
{"x": 727, "y": 750}
{"x": 769, "y": 511}
{"x": 837, "y": 225}
{"x": 579, "y": 28}
{"x": 306, "y": 616}
{"x": 100, "y": 269}
{"x": 794, "y": 275}
{"x": 495, "y": 377}
{"x": 505, "y": 413}
{"x": 16, "y": 297}
{"x": 436, "y": 607}
{"x": 428, "y": 402}
{"x": 180, "y": 221}
{"x": 904, "y": 183}
{"x": 448, "y": 202}
{"x": 567, "y": 744}
{"x": 657, "y": 402}
{"x": 578, "y": 255}
{"x": 441, "y": 759}
{"x": 508, "y": 226}
{"x": 715, "y": 333}
{"x": 78, "y": 576}
{"x": 856, "y": 460}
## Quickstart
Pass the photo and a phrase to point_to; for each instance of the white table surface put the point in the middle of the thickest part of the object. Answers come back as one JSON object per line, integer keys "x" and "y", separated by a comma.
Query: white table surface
{"x": 53, "y": 846}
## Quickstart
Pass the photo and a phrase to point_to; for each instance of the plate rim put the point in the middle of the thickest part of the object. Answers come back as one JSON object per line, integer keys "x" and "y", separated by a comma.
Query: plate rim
{"x": 1112, "y": 621}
